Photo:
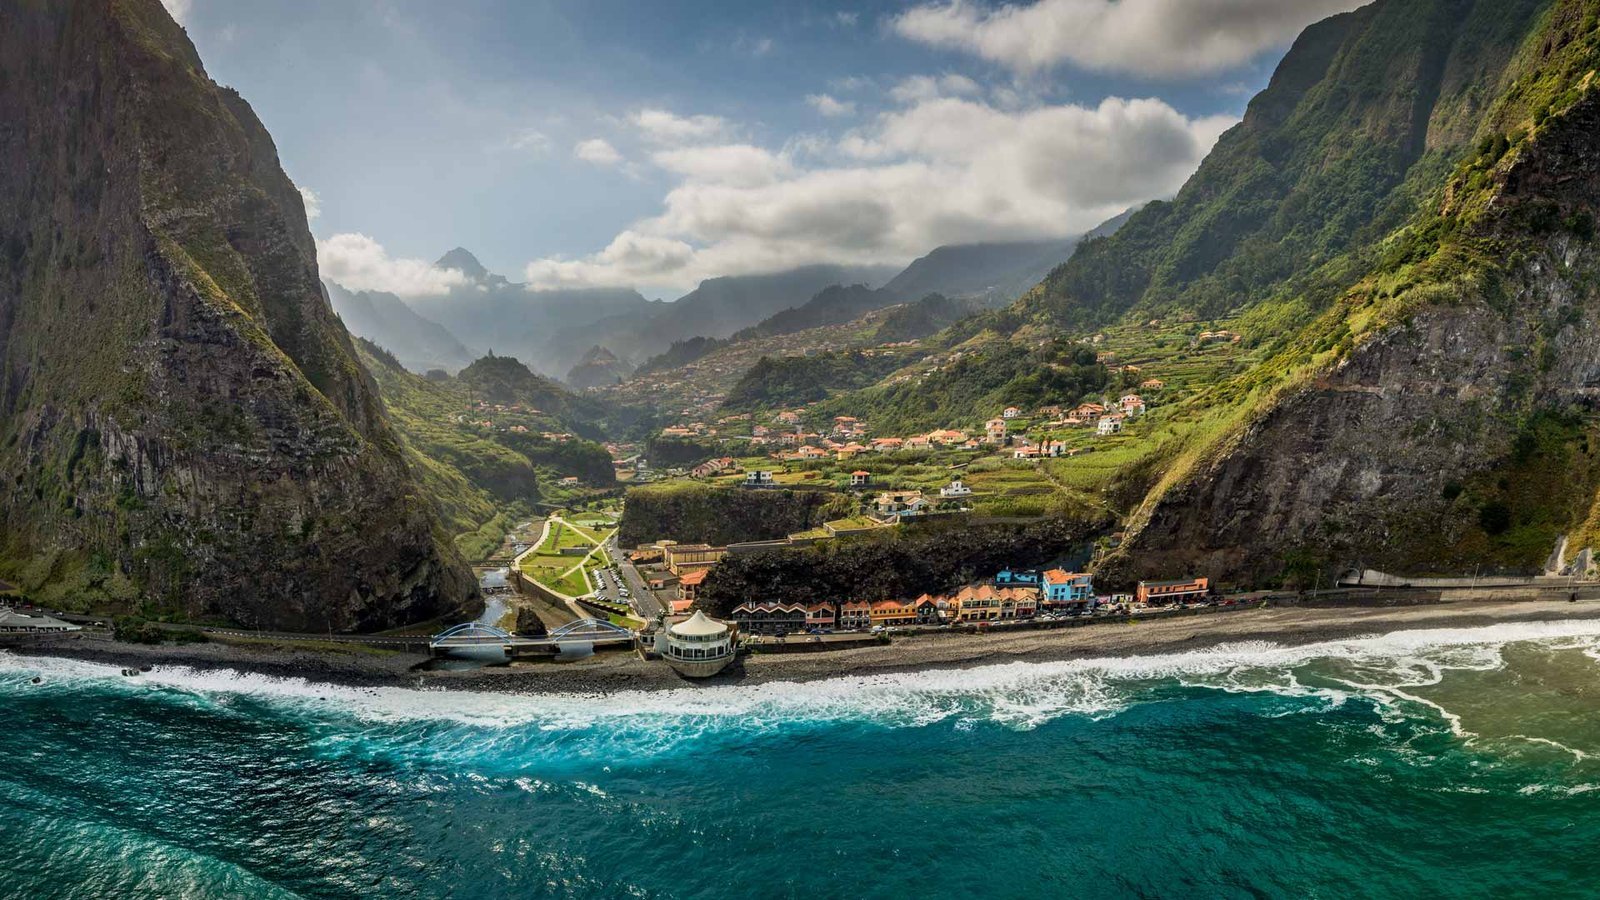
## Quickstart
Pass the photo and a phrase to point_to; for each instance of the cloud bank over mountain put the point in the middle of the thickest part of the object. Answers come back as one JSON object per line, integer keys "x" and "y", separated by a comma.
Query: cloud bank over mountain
{"x": 1152, "y": 38}
{"x": 944, "y": 165}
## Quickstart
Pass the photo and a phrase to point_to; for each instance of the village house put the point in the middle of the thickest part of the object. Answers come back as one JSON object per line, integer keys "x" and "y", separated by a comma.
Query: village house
{"x": 995, "y": 431}
{"x": 821, "y": 615}
{"x": 901, "y": 504}
{"x": 712, "y": 467}
{"x": 850, "y": 450}
{"x": 569, "y": 480}
{"x": 947, "y": 436}
{"x": 1068, "y": 590}
{"x": 1162, "y": 592}
{"x": 1016, "y": 578}
{"x": 1048, "y": 412}
{"x": 855, "y": 614}
{"x": 788, "y": 418}
{"x": 681, "y": 558}
{"x": 689, "y": 584}
{"x": 676, "y": 431}
{"x": 1010, "y": 412}
{"x": 886, "y": 613}
{"x": 1152, "y": 384}
{"x": 1132, "y": 404}
{"x": 770, "y": 618}
{"x": 987, "y": 603}
{"x": 1109, "y": 425}
{"x": 1026, "y": 452}
{"x": 919, "y": 442}
{"x": 887, "y": 445}
{"x": 758, "y": 479}
{"x": 859, "y": 478}
{"x": 811, "y": 453}
{"x": 955, "y": 489}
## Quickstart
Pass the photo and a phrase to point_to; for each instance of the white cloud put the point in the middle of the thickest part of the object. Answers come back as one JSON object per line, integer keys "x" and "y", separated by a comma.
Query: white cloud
{"x": 530, "y": 140}
{"x": 598, "y": 151}
{"x": 831, "y": 107}
{"x": 733, "y": 164}
{"x": 665, "y": 127}
{"x": 360, "y": 263}
{"x": 178, "y": 9}
{"x": 629, "y": 259}
{"x": 312, "y": 202}
{"x": 1158, "y": 38}
{"x": 945, "y": 169}
{"x": 919, "y": 88}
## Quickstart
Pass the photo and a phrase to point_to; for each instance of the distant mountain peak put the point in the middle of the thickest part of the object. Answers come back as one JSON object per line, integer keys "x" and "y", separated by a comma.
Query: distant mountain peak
{"x": 462, "y": 259}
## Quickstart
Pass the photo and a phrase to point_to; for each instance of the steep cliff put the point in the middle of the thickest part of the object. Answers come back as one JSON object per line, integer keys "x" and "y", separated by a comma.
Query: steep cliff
{"x": 1443, "y": 413}
{"x": 1364, "y": 114}
{"x": 185, "y": 423}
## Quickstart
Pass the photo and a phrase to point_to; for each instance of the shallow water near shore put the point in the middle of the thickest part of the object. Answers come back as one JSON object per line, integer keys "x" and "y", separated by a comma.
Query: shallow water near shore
{"x": 1444, "y": 762}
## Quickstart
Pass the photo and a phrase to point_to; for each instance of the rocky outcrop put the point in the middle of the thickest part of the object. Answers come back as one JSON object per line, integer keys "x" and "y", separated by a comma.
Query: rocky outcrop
{"x": 181, "y": 409}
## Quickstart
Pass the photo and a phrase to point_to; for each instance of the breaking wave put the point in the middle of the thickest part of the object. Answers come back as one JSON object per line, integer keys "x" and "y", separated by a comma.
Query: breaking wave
{"x": 1386, "y": 668}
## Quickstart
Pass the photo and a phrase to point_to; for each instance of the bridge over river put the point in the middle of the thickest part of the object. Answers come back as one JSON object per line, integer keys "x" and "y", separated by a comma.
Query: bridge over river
{"x": 582, "y": 636}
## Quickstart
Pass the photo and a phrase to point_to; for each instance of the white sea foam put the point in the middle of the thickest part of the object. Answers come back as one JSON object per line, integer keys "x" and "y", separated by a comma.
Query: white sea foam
{"x": 1014, "y": 694}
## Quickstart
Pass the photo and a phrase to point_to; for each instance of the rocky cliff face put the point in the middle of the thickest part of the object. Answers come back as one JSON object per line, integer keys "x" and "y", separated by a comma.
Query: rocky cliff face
{"x": 1459, "y": 425}
{"x": 184, "y": 420}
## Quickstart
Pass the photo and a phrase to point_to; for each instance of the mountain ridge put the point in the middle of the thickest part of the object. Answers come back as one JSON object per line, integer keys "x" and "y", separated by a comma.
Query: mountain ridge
{"x": 187, "y": 427}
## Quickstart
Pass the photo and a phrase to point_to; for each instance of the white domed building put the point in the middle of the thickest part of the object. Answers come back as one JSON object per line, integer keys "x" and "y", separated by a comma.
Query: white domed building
{"x": 697, "y": 647}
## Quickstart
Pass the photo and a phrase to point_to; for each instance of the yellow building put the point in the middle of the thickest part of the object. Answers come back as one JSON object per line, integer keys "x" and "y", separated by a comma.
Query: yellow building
{"x": 682, "y": 558}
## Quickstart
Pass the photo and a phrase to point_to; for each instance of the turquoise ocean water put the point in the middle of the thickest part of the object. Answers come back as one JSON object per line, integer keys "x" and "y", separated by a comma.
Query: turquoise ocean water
{"x": 1431, "y": 763}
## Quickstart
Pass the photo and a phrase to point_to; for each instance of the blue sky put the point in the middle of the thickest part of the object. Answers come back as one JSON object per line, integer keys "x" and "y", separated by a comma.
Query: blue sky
{"x": 655, "y": 143}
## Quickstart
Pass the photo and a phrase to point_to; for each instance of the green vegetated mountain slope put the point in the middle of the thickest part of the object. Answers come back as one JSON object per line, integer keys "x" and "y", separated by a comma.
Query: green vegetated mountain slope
{"x": 185, "y": 425}
{"x": 1360, "y": 121}
{"x": 481, "y": 474}
{"x": 973, "y": 382}
{"x": 504, "y": 380}
{"x": 1403, "y": 225}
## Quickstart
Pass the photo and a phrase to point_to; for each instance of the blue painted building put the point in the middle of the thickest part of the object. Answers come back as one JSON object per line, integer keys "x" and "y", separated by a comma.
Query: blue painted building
{"x": 1068, "y": 589}
{"x": 1017, "y": 578}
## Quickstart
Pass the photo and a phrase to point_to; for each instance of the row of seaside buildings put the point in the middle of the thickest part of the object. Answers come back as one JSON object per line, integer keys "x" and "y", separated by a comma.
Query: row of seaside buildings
{"x": 1012, "y": 595}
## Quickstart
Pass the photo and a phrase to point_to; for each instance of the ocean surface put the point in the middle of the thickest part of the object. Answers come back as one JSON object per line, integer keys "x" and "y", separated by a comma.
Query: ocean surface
{"x": 1446, "y": 763}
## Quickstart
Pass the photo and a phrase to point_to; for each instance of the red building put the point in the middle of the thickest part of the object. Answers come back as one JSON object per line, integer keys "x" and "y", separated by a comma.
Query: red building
{"x": 1161, "y": 592}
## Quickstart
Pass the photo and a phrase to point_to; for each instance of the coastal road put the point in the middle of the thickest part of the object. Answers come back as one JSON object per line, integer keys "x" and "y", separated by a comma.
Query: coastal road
{"x": 644, "y": 599}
